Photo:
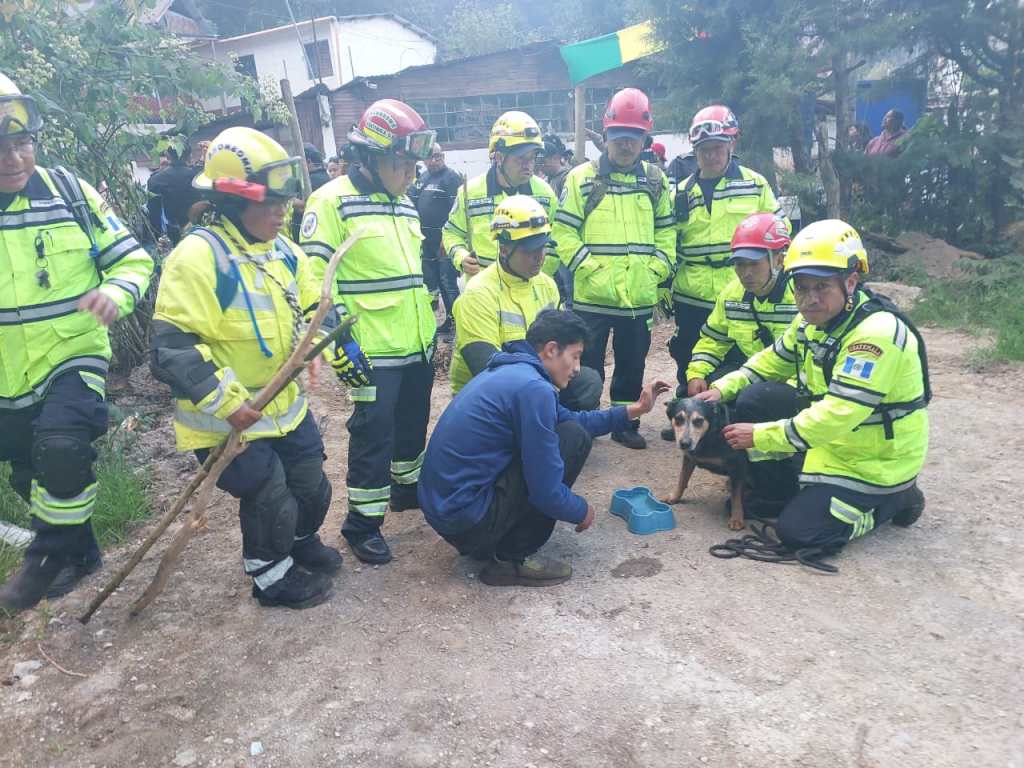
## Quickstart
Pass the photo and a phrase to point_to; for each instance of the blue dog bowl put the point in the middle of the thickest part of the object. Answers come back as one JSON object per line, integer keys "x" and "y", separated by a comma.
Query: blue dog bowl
{"x": 642, "y": 512}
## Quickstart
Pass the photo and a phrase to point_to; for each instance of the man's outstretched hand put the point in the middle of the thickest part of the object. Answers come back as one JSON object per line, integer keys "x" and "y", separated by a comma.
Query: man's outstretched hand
{"x": 587, "y": 521}
{"x": 648, "y": 397}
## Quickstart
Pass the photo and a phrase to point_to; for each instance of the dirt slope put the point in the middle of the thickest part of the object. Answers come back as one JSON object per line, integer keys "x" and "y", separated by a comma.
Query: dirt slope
{"x": 655, "y": 654}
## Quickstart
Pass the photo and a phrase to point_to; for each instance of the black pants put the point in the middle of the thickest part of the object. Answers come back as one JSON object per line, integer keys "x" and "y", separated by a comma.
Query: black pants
{"x": 49, "y": 447}
{"x": 439, "y": 274}
{"x": 772, "y": 483}
{"x": 512, "y": 529}
{"x": 829, "y": 516}
{"x": 817, "y": 515}
{"x": 631, "y": 339}
{"x": 689, "y": 320}
{"x": 387, "y": 435}
{"x": 583, "y": 392}
{"x": 283, "y": 496}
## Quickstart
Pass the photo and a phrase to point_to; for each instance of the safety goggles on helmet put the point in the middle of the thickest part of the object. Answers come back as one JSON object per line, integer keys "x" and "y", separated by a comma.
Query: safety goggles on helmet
{"x": 418, "y": 144}
{"x": 709, "y": 130}
{"x": 19, "y": 114}
{"x": 534, "y": 222}
{"x": 281, "y": 180}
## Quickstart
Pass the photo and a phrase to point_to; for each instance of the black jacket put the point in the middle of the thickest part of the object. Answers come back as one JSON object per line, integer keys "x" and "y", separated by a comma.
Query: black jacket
{"x": 173, "y": 185}
{"x": 434, "y": 195}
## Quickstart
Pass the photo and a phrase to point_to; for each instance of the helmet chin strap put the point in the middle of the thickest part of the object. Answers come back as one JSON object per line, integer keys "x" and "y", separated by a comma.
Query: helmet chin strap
{"x": 504, "y": 260}
{"x": 371, "y": 166}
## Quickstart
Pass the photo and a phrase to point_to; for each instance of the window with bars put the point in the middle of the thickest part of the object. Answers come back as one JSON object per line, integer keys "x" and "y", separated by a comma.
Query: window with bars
{"x": 246, "y": 65}
{"x": 469, "y": 119}
{"x": 318, "y": 55}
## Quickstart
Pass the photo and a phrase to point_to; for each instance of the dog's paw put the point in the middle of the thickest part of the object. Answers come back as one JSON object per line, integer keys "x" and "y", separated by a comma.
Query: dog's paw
{"x": 736, "y": 525}
{"x": 670, "y": 499}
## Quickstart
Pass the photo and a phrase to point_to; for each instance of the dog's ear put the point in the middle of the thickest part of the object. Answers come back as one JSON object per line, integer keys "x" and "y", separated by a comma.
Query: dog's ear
{"x": 670, "y": 406}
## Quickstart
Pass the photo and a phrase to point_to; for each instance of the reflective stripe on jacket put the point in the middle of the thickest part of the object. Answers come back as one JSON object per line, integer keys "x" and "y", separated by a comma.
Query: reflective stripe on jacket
{"x": 497, "y": 307}
{"x": 485, "y": 194}
{"x": 703, "y": 241}
{"x": 380, "y": 279}
{"x": 741, "y": 319}
{"x": 210, "y": 352}
{"x": 47, "y": 268}
{"x": 843, "y": 431}
{"x": 619, "y": 252}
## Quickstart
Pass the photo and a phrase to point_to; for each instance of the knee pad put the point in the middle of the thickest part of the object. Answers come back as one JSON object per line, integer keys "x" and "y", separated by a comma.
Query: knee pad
{"x": 767, "y": 401}
{"x": 269, "y": 518}
{"x": 62, "y": 462}
{"x": 312, "y": 490}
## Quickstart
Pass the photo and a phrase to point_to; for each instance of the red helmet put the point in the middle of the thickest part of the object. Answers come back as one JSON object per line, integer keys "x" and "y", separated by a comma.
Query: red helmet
{"x": 759, "y": 233}
{"x": 393, "y": 127}
{"x": 714, "y": 123}
{"x": 629, "y": 108}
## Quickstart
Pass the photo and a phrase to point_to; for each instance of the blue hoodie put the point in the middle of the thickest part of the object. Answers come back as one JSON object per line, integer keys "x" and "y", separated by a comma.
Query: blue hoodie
{"x": 508, "y": 411}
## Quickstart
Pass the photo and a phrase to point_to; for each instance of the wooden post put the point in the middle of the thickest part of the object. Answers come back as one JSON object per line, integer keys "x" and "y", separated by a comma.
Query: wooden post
{"x": 293, "y": 125}
{"x": 580, "y": 105}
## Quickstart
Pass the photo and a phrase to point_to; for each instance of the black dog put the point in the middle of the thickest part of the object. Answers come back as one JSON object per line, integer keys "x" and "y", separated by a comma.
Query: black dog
{"x": 698, "y": 426}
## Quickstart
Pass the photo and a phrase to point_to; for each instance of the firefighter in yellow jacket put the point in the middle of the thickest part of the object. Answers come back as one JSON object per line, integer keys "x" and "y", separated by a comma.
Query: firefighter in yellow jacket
{"x": 862, "y": 367}
{"x": 232, "y": 301}
{"x": 615, "y": 231}
{"x": 70, "y": 268}
{"x": 709, "y": 205}
{"x": 514, "y": 145}
{"x": 381, "y": 280}
{"x": 501, "y": 303}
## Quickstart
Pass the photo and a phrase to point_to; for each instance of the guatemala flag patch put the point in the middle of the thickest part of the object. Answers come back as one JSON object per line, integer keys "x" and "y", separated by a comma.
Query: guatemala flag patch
{"x": 857, "y": 368}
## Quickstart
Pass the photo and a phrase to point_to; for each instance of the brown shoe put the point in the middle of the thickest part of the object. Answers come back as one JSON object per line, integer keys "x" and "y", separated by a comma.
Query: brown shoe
{"x": 535, "y": 571}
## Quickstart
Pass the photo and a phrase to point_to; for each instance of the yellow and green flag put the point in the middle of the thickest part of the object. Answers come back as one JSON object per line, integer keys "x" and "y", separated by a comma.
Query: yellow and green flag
{"x": 599, "y": 54}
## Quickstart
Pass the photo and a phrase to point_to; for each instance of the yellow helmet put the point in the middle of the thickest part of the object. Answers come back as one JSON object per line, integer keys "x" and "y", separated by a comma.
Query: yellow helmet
{"x": 522, "y": 220}
{"x": 514, "y": 129}
{"x": 826, "y": 247}
{"x": 246, "y": 163}
{"x": 18, "y": 113}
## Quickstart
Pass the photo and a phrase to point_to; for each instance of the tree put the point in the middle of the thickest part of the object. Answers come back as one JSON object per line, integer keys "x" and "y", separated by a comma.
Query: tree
{"x": 777, "y": 63}
{"x": 99, "y": 79}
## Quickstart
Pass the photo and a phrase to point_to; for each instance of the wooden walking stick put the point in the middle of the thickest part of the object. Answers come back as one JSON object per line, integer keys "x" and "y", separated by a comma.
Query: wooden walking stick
{"x": 219, "y": 458}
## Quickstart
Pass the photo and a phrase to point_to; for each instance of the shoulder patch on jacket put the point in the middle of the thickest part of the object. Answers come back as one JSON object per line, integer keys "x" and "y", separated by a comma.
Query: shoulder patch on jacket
{"x": 309, "y": 222}
{"x": 865, "y": 348}
{"x": 857, "y": 368}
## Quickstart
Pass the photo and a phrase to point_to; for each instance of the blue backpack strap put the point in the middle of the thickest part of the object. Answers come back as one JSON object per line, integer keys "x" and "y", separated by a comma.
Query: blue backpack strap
{"x": 290, "y": 259}
{"x": 227, "y": 278}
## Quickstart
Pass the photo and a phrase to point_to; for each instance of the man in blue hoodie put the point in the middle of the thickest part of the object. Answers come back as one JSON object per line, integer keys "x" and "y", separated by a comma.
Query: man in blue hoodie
{"x": 500, "y": 463}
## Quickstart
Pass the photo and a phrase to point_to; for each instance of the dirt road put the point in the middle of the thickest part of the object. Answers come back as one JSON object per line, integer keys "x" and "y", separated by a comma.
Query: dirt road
{"x": 655, "y": 654}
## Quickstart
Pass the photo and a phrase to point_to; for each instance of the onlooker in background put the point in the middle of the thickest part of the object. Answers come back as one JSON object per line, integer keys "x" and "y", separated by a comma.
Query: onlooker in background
{"x": 887, "y": 142}
{"x": 173, "y": 187}
{"x": 433, "y": 195}
{"x": 199, "y": 154}
{"x": 315, "y": 164}
{"x": 682, "y": 167}
{"x": 554, "y": 162}
{"x": 336, "y": 167}
{"x": 858, "y": 135}
{"x": 658, "y": 150}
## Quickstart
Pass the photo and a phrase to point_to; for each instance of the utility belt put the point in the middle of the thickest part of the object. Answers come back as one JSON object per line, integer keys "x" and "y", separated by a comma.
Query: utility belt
{"x": 883, "y": 413}
{"x": 706, "y": 261}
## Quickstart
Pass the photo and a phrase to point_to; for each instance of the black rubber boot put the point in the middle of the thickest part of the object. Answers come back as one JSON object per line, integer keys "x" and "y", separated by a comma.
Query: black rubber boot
{"x": 912, "y": 509}
{"x": 630, "y": 438}
{"x": 370, "y": 547}
{"x": 72, "y": 574}
{"x": 403, "y": 497}
{"x": 298, "y": 589}
{"x": 32, "y": 580}
{"x": 313, "y": 555}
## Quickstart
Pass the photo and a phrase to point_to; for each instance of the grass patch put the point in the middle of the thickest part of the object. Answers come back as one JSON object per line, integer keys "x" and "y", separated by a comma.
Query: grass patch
{"x": 120, "y": 501}
{"x": 991, "y": 298}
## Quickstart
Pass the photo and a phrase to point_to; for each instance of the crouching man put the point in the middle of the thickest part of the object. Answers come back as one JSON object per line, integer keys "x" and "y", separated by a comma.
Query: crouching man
{"x": 504, "y": 455}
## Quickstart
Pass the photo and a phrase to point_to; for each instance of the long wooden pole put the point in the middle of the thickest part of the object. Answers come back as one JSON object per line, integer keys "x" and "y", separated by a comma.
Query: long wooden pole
{"x": 293, "y": 128}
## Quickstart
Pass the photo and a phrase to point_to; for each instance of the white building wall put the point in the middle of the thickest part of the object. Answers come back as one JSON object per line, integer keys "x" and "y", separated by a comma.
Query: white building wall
{"x": 372, "y": 46}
